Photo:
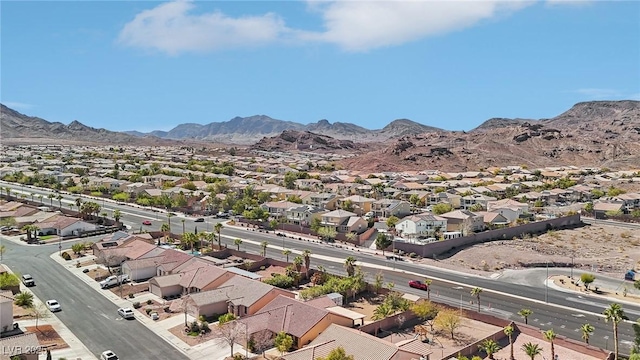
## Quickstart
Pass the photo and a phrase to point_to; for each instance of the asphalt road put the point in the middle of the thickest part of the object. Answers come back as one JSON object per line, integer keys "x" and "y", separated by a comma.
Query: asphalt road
{"x": 88, "y": 314}
{"x": 563, "y": 312}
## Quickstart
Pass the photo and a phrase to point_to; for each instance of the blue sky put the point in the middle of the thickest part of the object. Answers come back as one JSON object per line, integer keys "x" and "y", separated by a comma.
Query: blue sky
{"x": 126, "y": 65}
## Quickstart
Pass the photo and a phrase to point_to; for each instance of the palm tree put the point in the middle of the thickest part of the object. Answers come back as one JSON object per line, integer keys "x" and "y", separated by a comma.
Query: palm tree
{"x": 306, "y": 256}
{"x": 349, "y": 265}
{"x": 615, "y": 314}
{"x": 264, "y": 246}
{"x": 237, "y": 242}
{"x": 78, "y": 201}
{"x": 183, "y": 220}
{"x": 476, "y": 291}
{"x": 508, "y": 330}
{"x": 169, "y": 216}
{"x": 218, "y": 227}
{"x": 587, "y": 329}
{"x": 286, "y": 253}
{"x": 59, "y": 198}
{"x": 550, "y": 336}
{"x": 532, "y": 350}
{"x": 190, "y": 239}
{"x": 40, "y": 198}
{"x": 428, "y": 283}
{"x": 51, "y": 196}
{"x": 117, "y": 215}
{"x": 297, "y": 262}
{"x": 32, "y": 195}
{"x": 490, "y": 347}
{"x": 525, "y": 313}
{"x": 382, "y": 311}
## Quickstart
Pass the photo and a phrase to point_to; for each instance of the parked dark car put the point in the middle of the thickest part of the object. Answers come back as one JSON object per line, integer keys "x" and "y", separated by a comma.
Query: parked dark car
{"x": 199, "y": 220}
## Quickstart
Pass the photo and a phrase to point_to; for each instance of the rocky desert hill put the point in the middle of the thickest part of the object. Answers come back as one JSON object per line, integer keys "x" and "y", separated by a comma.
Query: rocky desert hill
{"x": 292, "y": 140}
{"x": 598, "y": 133}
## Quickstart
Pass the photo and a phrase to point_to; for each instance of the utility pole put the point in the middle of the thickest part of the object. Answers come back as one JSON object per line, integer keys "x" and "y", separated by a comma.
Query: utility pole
{"x": 546, "y": 285}
{"x": 572, "y": 266}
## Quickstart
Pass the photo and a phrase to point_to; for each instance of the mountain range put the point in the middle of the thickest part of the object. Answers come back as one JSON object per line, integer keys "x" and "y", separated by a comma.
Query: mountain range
{"x": 604, "y": 133}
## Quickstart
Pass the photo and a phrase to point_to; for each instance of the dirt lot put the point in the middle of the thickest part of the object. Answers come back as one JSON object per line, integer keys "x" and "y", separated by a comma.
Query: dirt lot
{"x": 611, "y": 249}
{"x": 20, "y": 313}
{"x": 129, "y": 288}
{"x": 365, "y": 304}
{"x": 178, "y": 331}
{"x": 157, "y": 307}
{"x": 47, "y": 336}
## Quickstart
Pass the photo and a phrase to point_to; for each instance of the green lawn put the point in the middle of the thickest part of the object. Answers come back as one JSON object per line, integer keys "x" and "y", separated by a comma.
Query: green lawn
{"x": 46, "y": 237}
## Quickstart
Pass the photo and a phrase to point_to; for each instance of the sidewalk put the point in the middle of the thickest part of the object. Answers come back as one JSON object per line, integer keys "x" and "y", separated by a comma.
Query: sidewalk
{"x": 76, "y": 349}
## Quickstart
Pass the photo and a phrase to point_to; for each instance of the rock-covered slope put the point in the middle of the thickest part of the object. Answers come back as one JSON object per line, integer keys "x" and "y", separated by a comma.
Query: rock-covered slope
{"x": 294, "y": 140}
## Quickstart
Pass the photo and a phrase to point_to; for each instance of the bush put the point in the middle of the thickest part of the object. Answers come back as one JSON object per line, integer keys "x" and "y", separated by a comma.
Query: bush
{"x": 149, "y": 302}
{"x": 8, "y": 280}
{"x": 24, "y": 299}
{"x": 66, "y": 256}
{"x": 148, "y": 310}
{"x": 131, "y": 296}
{"x": 166, "y": 309}
{"x": 281, "y": 281}
{"x": 204, "y": 326}
{"x": 136, "y": 305}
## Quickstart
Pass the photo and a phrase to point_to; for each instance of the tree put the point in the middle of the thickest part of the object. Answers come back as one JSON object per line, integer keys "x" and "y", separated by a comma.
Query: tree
{"x": 77, "y": 248}
{"x": 476, "y": 291}
{"x": 424, "y": 310}
{"x": 441, "y": 208}
{"x": 264, "y": 246}
{"x": 59, "y": 198}
{"x": 525, "y": 313}
{"x": 587, "y": 279}
{"x": 189, "y": 239}
{"x": 508, "y": 330}
{"x": 51, "y": 196}
{"x": 283, "y": 342}
{"x": 183, "y": 220}
{"x": 378, "y": 281}
{"x": 286, "y": 253}
{"x": 327, "y": 233}
{"x": 229, "y": 333}
{"x": 24, "y": 299}
{"x": 306, "y": 256}
{"x": 218, "y": 228}
{"x": 117, "y": 215}
{"x": 349, "y": 265}
{"x": 428, "y": 283}
{"x": 337, "y": 354}
{"x": 237, "y": 243}
{"x": 490, "y": 347}
{"x": 615, "y": 314}
{"x": 273, "y": 224}
{"x": 448, "y": 320}
{"x": 587, "y": 329}
{"x": 550, "y": 336}
{"x": 382, "y": 311}
{"x": 532, "y": 350}
{"x": 2, "y": 250}
{"x": 392, "y": 221}
{"x": 40, "y": 312}
{"x": 225, "y": 318}
{"x": 383, "y": 242}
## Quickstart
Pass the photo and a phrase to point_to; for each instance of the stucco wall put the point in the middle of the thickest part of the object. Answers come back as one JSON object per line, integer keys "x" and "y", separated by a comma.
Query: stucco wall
{"x": 439, "y": 247}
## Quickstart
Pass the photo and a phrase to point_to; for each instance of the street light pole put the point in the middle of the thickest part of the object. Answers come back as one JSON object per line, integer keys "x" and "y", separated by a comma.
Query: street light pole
{"x": 546, "y": 285}
{"x": 572, "y": 266}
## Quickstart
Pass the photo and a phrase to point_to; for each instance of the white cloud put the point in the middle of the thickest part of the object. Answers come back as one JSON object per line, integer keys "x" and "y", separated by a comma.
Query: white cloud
{"x": 596, "y": 93}
{"x": 354, "y": 25}
{"x": 171, "y": 28}
{"x": 17, "y": 105}
{"x": 364, "y": 25}
{"x": 568, "y": 2}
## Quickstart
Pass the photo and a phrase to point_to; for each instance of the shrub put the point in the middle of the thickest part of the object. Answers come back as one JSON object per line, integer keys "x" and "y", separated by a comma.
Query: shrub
{"x": 24, "y": 299}
{"x": 131, "y": 296}
{"x": 8, "y": 280}
{"x": 281, "y": 281}
{"x": 136, "y": 305}
{"x": 148, "y": 310}
{"x": 149, "y": 302}
{"x": 66, "y": 256}
{"x": 204, "y": 326}
{"x": 166, "y": 309}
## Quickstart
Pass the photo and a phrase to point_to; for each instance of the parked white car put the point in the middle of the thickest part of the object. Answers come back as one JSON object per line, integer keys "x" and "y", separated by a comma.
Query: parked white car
{"x": 126, "y": 313}
{"x": 53, "y": 305}
{"x": 108, "y": 355}
{"x": 114, "y": 280}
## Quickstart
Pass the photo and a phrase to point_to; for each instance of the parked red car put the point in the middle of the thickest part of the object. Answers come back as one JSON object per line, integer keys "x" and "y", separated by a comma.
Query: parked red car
{"x": 418, "y": 285}
{"x": 146, "y": 222}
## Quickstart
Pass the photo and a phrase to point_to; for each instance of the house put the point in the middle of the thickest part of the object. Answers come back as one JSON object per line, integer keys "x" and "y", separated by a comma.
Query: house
{"x": 24, "y": 347}
{"x": 493, "y": 220}
{"x": 631, "y": 201}
{"x": 277, "y": 209}
{"x": 492, "y": 205}
{"x": 360, "y": 204}
{"x": 390, "y": 207}
{"x": 237, "y": 295}
{"x": 193, "y": 276}
{"x": 6, "y": 310}
{"x": 64, "y": 226}
{"x": 601, "y": 208}
{"x": 476, "y": 199}
{"x": 421, "y": 225}
{"x": 325, "y": 200}
{"x": 464, "y": 221}
{"x": 302, "y": 321}
{"x": 360, "y": 345}
{"x": 444, "y": 197}
{"x": 303, "y": 215}
{"x": 344, "y": 221}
